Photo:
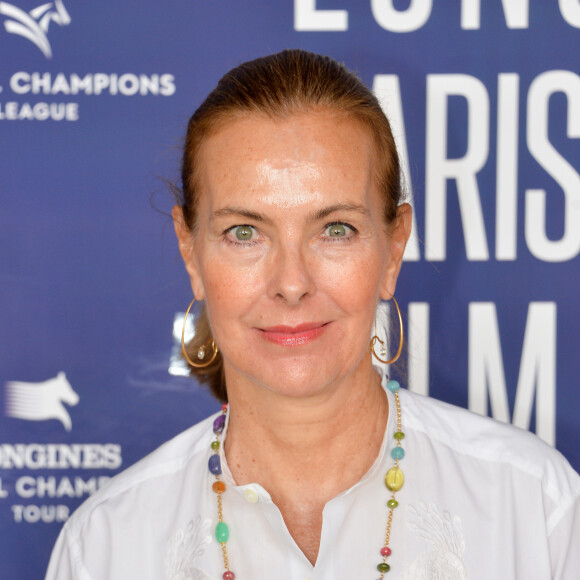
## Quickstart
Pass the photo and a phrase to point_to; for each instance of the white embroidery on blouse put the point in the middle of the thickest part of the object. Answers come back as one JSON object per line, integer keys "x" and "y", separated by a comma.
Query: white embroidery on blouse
{"x": 185, "y": 548}
{"x": 444, "y": 560}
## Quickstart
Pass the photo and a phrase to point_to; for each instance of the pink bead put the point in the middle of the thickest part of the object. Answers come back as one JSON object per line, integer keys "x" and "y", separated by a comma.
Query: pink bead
{"x": 229, "y": 575}
{"x": 224, "y": 407}
{"x": 385, "y": 551}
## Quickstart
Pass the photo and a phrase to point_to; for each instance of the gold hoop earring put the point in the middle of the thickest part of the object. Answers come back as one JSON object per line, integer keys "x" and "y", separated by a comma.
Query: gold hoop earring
{"x": 375, "y": 339}
{"x": 201, "y": 350}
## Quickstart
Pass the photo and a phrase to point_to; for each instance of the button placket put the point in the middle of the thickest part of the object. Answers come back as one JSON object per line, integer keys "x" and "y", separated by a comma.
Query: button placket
{"x": 251, "y": 495}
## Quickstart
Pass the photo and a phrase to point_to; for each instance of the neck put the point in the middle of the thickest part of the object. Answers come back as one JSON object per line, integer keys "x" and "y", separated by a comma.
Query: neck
{"x": 306, "y": 450}
{"x": 334, "y": 432}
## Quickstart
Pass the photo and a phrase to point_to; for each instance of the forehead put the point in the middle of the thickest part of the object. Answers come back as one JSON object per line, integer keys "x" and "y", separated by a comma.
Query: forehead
{"x": 313, "y": 150}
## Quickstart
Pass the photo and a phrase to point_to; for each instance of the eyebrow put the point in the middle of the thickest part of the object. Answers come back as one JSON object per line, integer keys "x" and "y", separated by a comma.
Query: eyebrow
{"x": 316, "y": 216}
{"x": 241, "y": 212}
{"x": 326, "y": 211}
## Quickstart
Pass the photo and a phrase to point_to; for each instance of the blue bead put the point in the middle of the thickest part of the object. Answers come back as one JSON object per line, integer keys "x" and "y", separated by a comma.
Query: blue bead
{"x": 219, "y": 424}
{"x": 393, "y": 386}
{"x": 215, "y": 464}
{"x": 397, "y": 453}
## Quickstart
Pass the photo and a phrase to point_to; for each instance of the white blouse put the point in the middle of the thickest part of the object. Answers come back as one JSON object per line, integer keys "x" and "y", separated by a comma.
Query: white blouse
{"x": 480, "y": 500}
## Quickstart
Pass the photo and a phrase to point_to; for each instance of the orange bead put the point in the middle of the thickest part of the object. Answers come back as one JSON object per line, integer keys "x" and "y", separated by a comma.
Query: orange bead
{"x": 219, "y": 486}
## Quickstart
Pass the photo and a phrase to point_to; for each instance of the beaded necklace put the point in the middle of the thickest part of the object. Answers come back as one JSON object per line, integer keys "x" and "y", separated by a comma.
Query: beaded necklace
{"x": 394, "y": 480}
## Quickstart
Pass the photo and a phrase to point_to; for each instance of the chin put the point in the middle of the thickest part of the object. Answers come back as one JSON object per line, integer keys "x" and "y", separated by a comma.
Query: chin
{"x": 299, "y": 380}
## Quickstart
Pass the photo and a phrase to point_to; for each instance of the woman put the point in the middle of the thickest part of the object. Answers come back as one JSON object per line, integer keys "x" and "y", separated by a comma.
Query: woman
{"x": 292, "y": 230}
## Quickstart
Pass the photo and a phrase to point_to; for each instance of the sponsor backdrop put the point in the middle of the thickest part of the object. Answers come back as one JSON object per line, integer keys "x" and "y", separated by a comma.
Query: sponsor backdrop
{"x": 485, "y": 100}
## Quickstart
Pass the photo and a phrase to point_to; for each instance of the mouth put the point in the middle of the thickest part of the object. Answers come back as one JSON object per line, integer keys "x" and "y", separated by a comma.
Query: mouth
{"x": 294, "y": 335}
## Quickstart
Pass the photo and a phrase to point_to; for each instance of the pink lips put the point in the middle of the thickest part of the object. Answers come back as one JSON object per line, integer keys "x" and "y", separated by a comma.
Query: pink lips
{"x": 294, "y": 335}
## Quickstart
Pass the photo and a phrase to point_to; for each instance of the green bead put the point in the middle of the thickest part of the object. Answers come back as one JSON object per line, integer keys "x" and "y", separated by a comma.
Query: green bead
{"x": 383, "y": 567}
{"x": 393, "y": 503}
{"x": 215, "y": 445}
{"x": 222, "y": 533}
{"x": 399, "y": 435}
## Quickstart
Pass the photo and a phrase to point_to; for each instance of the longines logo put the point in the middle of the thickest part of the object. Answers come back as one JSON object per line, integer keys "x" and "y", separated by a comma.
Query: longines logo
{"x": 34, "y": 489}
{"x": 41, "y": 401}
{"x": 34, "y": 25}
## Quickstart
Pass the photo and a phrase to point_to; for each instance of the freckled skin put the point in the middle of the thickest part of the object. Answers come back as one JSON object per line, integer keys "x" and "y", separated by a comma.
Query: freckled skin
{"x": 307, "y": 415}
{"x": 287, "y": 171}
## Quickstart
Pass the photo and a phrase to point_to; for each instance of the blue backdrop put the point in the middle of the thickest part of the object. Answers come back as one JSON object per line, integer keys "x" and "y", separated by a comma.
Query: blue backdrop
{"x": 94, "y": 98}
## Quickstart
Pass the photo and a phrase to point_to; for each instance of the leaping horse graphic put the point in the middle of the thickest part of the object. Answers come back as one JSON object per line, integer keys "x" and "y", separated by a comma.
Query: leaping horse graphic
{"x": 34, "y": 25}
{"x": 41, "y": 401}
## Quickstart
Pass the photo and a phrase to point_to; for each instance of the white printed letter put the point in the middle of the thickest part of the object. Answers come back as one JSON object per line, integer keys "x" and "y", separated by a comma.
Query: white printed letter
{"x": 388, "y": 92}
{"x": 418, "y": 333}
{"x": 570, "y": 10}
{"x": 538, "y": 362}
{"x": 568, "y": 246}
{"x": 516, "y": 13}
{"x": 464, "y": 169}
{"x": 506, "y": 204}
{"x": 412, "y": 18}
{"x": 486, "y": 363}
{"x": 537, "y": 365}
{"x": 307, "y": 17}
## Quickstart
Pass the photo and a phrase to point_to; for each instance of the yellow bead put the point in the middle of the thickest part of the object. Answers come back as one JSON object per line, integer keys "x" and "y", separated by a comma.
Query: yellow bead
{"x": 394, "y": 479}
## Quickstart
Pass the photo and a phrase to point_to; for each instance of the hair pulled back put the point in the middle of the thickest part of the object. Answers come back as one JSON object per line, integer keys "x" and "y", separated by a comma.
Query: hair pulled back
{"x": 279, "y": 86}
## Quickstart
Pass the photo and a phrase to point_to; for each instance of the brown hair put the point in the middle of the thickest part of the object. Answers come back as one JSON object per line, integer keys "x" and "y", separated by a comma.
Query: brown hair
{"x": 279, "y": 86}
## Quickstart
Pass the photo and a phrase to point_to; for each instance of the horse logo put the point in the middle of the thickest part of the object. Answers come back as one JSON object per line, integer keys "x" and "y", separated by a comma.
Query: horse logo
{"x": 34, "y": 25}
{"x": 41, "y": 401}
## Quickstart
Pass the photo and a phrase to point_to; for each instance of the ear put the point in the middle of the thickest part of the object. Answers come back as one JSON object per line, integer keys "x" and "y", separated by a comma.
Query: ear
{"x": 186, "y": 249}
{"x": 397, "y": 236}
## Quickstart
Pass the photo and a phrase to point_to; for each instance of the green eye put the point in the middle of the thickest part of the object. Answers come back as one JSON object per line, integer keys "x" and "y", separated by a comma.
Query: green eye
{"x": 244, "y": 233}
{"x": 337, "y": 231}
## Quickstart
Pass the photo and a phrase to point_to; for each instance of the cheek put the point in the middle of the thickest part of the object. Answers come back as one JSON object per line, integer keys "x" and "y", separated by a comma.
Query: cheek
{"x": 352, "y": 283}
{"x": 230, "y": 289}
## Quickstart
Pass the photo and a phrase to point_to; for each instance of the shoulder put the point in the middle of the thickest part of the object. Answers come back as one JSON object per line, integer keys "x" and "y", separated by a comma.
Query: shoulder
{"x": 490, "y": 444}
{"x": 146, "y": 504}
{"x": 145, "y": 480}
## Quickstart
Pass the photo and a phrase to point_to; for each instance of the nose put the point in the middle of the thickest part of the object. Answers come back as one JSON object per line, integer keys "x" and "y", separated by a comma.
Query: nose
{"x": 291, "y": 279}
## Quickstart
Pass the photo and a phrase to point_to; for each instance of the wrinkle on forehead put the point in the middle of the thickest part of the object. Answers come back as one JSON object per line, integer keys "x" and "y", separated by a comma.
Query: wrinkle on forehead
{"x": 291, "y": 164}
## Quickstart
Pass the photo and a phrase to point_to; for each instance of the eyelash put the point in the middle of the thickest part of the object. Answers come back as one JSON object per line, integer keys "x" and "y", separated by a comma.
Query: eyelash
{"x": 235, "y": 242}
{"x": 350, "y": 234}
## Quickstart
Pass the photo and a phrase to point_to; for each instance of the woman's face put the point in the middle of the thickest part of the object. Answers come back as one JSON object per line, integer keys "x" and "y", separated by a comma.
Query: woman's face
{"x": 291, "y": 253}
